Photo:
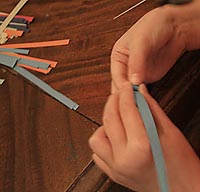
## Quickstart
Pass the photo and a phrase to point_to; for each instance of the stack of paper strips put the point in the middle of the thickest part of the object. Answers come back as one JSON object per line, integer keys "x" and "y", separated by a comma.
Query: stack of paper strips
{"x": 15, "y": 57}
{"x": 12, "y": 25}
{"x": 32, "y": 63}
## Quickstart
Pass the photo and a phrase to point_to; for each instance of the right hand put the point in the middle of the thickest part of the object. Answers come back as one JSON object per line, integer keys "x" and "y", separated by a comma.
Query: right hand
{"x": 122, "y": 150}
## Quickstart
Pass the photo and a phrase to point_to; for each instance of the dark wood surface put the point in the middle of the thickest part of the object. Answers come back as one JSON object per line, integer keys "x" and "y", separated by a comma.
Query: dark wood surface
{"x": 43, "y": 145}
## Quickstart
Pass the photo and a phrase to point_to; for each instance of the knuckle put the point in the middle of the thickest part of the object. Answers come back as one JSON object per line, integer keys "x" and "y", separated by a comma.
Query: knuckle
{"x": 93, "y": 141}
{"x": 108, "y": 114}
{"x": 116, "y": 45}
{"x": 115, "y": 50}
{"x": 115, "y": 178}
{"x": 105, "y": 120}
{"x": 114, "y": 55}
{"x": 141, "y": 145}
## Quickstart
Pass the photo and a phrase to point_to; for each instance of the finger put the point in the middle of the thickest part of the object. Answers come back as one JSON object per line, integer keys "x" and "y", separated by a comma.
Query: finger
{"x": 145, "y": 46}
{"x": 138, "y": 60}
{"x": 101, "y": 146}
{"x": 163, "y": 123}
{"x": 113, "y": 88}
{"x": 113, "y": 125}
{"x": 101, "y": 164}
{"x": 130, "y": 115}
{"x": 137, "y": 67}
{"x": 119, "y": 61}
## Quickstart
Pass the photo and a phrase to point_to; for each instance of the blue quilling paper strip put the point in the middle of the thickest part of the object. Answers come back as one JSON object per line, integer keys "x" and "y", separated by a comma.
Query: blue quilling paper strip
{"x": 153, "y": 139}
{"x": 46, "y": 88}
{"x": 11, "y": 62}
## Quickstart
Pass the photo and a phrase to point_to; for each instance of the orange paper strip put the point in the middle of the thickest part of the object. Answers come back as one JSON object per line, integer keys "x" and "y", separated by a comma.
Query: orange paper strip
{"x": 16, "y": 33}
{"x": 51, "y": 63}
{"x": 35, "y": 69}
{"x": 38, "y": 44}
{"x": 12, "y": 14}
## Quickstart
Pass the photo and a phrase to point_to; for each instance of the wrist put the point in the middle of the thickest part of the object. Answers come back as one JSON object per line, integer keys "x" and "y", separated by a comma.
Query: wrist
{"x": 186, "y": 19}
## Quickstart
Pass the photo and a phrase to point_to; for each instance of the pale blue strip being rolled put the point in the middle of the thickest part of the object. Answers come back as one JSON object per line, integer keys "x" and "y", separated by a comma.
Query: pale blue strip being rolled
{"x": 153, "y": 139}
{"x": 46, "y": 88}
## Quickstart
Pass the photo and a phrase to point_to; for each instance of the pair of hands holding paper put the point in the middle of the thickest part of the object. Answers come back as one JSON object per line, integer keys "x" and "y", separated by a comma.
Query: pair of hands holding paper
{"x": 120, "y": 146}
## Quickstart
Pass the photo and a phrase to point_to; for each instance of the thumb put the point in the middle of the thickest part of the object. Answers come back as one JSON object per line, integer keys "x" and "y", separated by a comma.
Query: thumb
{"x": 138, "y": 61}
{"x": 136, "y": 69}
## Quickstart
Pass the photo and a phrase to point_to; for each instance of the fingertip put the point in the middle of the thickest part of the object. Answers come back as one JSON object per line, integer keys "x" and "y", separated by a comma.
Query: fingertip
{"x": 136, "y": 78}
{"x": 143, "y": 89}
{"x": 91, "y": 142}
{"x": 96, "y": 138}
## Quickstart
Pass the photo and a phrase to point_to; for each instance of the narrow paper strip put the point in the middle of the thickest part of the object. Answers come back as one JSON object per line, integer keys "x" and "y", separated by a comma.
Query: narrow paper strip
{"x": 44, "y": 71}
{"x": 8, "y": 61}
{"x": 46, "y": 88}
{"x": 153, "y": 139}
{"x": 27, "y": 18}
{"x": 39, "y": 44}
{"x": 12, "y": 15}
{"x": 13, "y": 50}
{"x": 51, "y": 63}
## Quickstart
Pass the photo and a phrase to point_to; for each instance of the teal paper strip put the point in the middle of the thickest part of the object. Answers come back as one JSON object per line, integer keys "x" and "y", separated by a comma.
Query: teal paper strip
{"x": 12, "y": 50}
{"x": 153, "y": 139}
{"x": 36, "y": 64}
{"x": 8, "y": 61}
{"x": 46, "y": 88}
{"x": 32, "y": 63}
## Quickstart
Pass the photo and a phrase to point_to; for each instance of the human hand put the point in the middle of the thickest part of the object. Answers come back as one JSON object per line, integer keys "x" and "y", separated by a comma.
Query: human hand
{"x": 122, "y": 150}
{"x": 149, "y": 48}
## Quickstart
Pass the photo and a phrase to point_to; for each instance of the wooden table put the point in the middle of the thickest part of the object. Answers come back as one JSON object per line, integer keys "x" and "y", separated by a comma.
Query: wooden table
{"x": 43, "y": 144}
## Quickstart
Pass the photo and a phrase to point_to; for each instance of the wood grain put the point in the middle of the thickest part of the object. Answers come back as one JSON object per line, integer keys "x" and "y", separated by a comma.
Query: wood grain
{"x": 90, "y": 26}
{"x": 43, "y": 145}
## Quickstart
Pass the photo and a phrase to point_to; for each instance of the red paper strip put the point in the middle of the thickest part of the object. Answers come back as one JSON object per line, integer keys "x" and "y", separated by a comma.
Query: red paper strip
{"x": 16, "y": 33}
{"x": 28, "y": 18}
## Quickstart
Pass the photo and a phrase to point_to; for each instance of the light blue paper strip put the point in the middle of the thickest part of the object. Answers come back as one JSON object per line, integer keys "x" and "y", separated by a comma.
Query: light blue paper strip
{"x": 46, "y": 88}
{"x": 11, "y": 62}
{"x": 12, "y": 50}
{"x": 36, "y": 64}
{"x": 153, "y": 139}
{"x": 7, "y": 60}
